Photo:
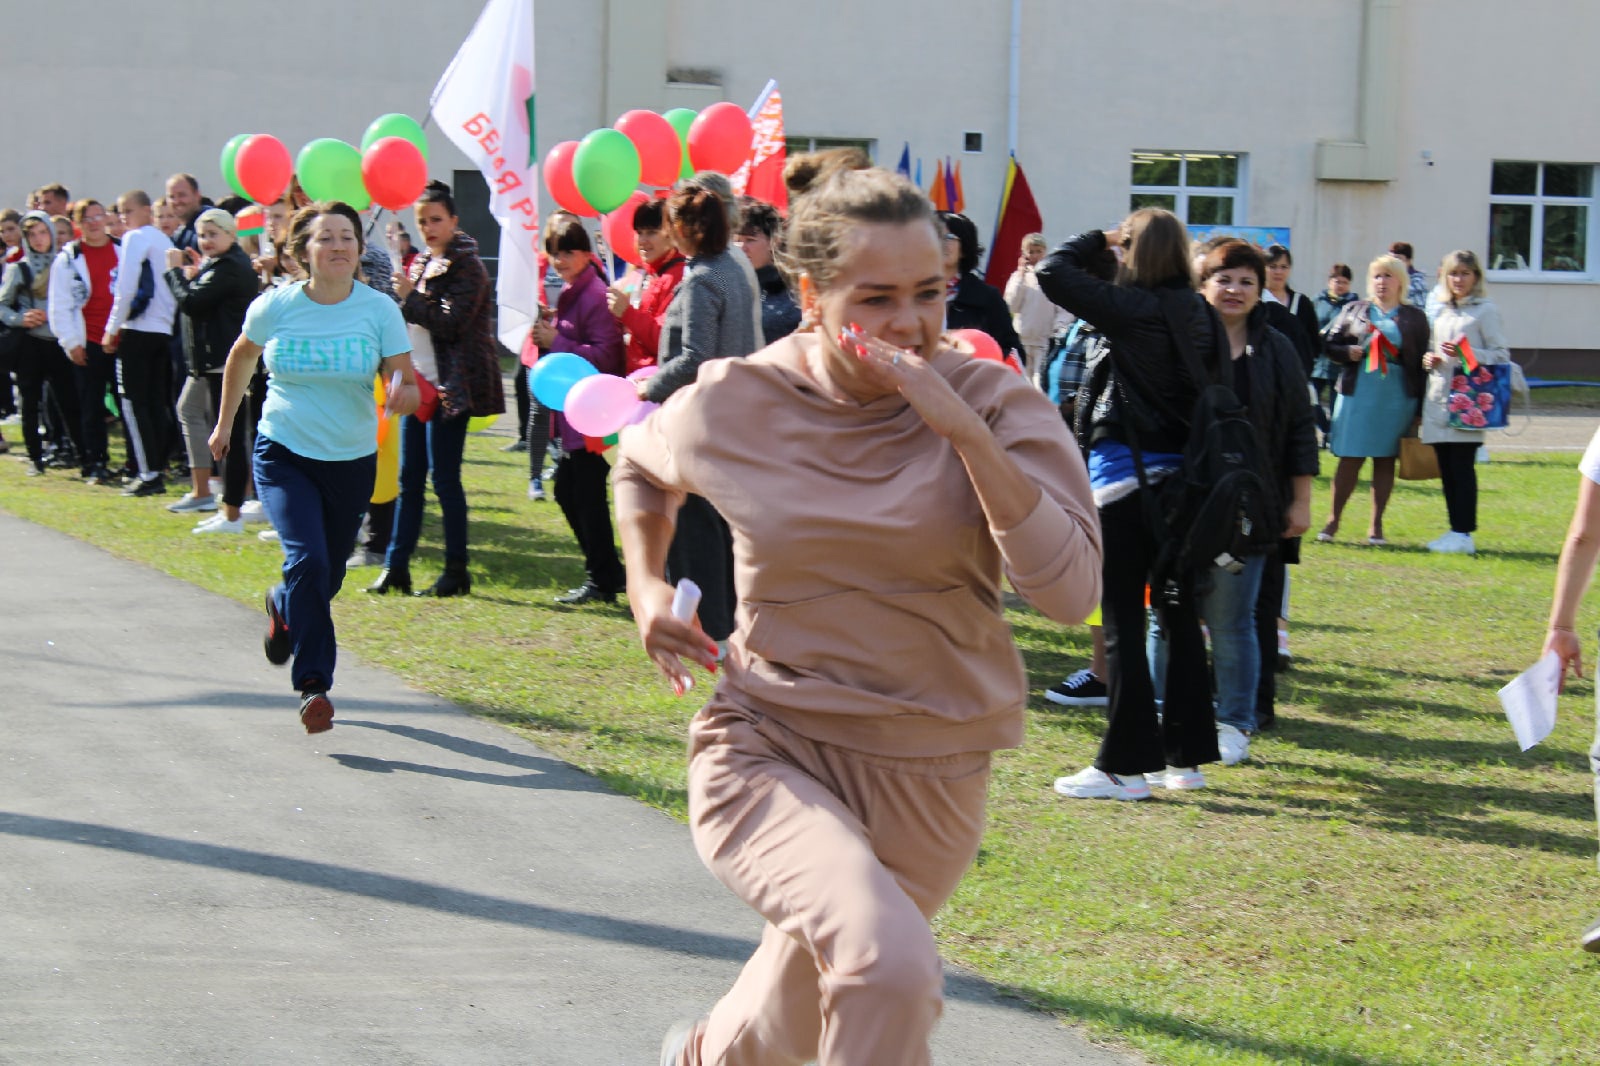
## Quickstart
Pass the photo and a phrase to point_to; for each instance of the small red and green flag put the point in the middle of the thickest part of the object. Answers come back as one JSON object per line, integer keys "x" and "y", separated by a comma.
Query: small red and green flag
{"x": 252, "y": 221}
{"x": 1468, "y": 356}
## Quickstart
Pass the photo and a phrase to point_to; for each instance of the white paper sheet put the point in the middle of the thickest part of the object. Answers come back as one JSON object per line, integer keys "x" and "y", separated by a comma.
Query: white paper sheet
{"x": 1530, "y": 700}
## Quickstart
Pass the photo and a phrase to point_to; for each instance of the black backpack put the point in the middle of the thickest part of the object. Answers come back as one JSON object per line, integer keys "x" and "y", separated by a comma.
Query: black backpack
{"x": 1220, "y": 507}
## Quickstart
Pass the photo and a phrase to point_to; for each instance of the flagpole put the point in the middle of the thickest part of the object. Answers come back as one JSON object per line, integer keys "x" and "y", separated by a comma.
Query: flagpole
{"x": 1016, "y": 77}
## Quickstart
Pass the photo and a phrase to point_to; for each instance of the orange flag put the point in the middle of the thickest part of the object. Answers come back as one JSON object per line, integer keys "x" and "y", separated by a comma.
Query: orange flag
{"x": 938, "y": 194}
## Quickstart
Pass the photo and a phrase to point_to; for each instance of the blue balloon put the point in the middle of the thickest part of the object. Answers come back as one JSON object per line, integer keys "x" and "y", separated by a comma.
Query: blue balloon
{"x": 553, "y": 376}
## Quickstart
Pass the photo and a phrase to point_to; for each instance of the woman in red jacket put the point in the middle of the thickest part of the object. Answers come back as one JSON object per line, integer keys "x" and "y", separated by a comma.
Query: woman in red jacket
{"x": 664, "y": 263}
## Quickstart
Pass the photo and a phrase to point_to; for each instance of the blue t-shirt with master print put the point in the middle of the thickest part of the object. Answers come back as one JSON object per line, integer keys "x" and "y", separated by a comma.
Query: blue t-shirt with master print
{"x": 323, "y": 359}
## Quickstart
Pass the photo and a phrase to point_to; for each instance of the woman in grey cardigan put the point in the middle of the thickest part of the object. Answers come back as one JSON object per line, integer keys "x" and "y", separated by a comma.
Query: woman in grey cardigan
{"x": 715, "y": 313}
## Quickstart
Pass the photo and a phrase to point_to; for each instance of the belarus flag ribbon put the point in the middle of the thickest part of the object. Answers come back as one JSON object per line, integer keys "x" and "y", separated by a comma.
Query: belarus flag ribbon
{"x": 484, "y": 103}
{"x": 1379, "y": 353}
{"x": 761, "y": 175}
{"x": 1468, "y": 356}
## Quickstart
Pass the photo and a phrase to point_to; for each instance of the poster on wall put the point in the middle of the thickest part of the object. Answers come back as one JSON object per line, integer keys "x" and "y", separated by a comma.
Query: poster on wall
{"x": 1260, "y": 236}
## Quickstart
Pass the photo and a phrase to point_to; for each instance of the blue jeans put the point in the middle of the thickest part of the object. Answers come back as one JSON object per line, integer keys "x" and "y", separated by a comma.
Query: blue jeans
{"x": 432, "y": 447}
{"x": 1229, "y": 610}
{"x": 316, "y": 506}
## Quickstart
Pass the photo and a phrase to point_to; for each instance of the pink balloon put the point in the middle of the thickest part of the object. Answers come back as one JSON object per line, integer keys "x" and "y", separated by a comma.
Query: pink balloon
{"x": 601, "y": 404}
{"x": 558, "y": 179}
{"x": 719, "y": 138}
{"x": 617, "y": 228}
{"x": 660, "y": 151}
{"x": 643, "y": 372}
{"x": 642, "y": 413}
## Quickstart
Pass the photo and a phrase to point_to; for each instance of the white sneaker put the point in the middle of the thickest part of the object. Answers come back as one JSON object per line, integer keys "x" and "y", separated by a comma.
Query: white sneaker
{"x": 1454, "y": 543}
{"x": 268, "y": 535}
{"x": 220, "y": 524}
{"x": 1183, "y": 778}
{"x": 251, "y": 511}
{"x": 1233, "y": 744}
{"x": 192, "y": 503}
{"x": 1096, "y": 784}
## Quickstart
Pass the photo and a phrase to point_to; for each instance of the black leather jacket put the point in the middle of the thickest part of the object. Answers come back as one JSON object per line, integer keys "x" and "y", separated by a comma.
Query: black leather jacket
{"x": 215, "y": 303}
{"x": 1146, "y": 362}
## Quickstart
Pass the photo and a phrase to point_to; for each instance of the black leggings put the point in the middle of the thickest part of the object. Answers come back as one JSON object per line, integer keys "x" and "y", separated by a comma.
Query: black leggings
{"x": 39, "y": 363}
{"x": 1458, "y": 471}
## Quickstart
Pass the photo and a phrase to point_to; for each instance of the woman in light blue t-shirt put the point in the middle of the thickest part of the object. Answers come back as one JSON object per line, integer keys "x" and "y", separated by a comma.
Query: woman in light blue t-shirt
{"x": 324, "y": 340}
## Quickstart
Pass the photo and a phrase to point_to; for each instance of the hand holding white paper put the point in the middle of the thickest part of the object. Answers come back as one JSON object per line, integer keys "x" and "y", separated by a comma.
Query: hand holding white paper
{"x": 1529, "y": 700}
{"x": 685, "y": 601}
{"x": 388, "y": 397}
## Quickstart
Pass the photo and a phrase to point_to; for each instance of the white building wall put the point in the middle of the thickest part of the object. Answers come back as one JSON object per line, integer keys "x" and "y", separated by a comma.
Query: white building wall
{"x": 161, "y": 89}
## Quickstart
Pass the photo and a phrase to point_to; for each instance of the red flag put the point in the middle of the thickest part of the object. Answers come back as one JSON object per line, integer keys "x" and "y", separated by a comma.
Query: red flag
{"x": 939, "y": 193}
{"x": 1018, "y": 216}
{"x": 762, "y": 174}
{"x": 958, "y": 198}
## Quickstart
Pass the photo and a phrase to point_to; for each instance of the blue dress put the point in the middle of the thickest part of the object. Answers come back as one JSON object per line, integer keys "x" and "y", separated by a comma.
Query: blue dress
{"x": 1369, "y": 422}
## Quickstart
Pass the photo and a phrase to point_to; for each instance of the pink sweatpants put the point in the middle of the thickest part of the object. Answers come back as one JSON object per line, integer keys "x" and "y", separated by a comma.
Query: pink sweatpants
{"x": 847, "y": 856}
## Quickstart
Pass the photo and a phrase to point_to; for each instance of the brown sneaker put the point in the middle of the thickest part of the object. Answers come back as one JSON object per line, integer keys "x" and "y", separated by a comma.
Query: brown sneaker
{"x": 316, "y": 712}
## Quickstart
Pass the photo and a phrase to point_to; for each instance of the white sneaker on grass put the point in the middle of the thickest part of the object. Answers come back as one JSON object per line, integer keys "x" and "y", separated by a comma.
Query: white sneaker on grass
{"x": 1093, "y": 783}
{"x": 1454, "y": 543}
{"x": 192, "y": 503}
{"x": 1180, "y": 778}
{"x": 1233, "y": 744}
{"x": 268, "y": 535}
{"x": 251, "y": 511}
{"x": 221, "y": 523}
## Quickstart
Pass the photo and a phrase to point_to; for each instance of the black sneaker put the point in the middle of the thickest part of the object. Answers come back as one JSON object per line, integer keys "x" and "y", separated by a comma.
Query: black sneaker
{"x": 277, "y": 643}
{"x": 1591, "y": 937}
{"x": 1082, "y": 689}
{"x": 156, "y": 486}
{"x": 316, "y": 711}
{"x": 588, "y": 592}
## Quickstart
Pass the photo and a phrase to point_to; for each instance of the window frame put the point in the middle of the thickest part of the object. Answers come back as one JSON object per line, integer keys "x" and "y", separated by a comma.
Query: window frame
{"x": 1182, "y": 192}
{"x": 1538, "y": 201}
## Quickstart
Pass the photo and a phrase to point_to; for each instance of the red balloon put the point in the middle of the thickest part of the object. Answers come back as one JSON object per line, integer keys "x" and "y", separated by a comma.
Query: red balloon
{"x": 263, "y": 166}
{"x": 617, "y": 228}
{"x": 719, "y": 138}
{"x": 558, "y": 179}
{"x": 660, "y": 151}
{"x": 981, "y": 344}
{"x": 394, "y": 172}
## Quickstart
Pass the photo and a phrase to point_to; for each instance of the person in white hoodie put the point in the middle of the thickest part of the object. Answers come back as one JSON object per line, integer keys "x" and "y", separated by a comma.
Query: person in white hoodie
{"x": 1035, "y": 317}
{"x": 38, "y": 362}
{"x": 139, "y": 333}
{"x": 80, "y": 303}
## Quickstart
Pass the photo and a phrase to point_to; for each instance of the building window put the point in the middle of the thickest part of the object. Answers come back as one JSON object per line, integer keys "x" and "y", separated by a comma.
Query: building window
{"x": 799, "y": 145}
{"x": 1540, "y": 216}
{"x": 1201, "y": 188}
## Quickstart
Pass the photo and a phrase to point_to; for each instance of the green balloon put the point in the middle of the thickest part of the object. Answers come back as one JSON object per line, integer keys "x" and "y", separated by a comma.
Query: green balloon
{"x": 682, "y": 118}
{"x": 606, "y": 169}
{"x": 230, "y": 150}
{"x": 395, "y": 125}
{"x": 330, "y": 169}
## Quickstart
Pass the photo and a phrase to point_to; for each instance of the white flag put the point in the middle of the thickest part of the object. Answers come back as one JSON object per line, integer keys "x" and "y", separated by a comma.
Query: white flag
{"x": 485, "y": 104}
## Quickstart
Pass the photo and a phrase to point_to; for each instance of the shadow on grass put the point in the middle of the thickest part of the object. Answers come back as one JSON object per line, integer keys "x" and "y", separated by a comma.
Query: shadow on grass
{"x": 1203, "y": 1038}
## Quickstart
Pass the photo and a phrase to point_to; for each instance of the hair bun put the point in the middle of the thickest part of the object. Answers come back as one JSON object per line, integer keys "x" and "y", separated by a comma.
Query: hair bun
{"x": 435, "y": 185}
{"x": 805, "y": 172}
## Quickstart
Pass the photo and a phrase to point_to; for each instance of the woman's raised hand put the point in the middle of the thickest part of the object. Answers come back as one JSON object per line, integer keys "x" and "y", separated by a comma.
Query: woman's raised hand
{"x": 924, "y": 388}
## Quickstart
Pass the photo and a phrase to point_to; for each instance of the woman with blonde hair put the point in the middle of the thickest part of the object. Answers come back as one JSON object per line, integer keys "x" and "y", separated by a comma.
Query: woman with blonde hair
{"x": 1467, "y": 318}
{"x": 1377, "y": 347}
{"x": 837, "y": 777}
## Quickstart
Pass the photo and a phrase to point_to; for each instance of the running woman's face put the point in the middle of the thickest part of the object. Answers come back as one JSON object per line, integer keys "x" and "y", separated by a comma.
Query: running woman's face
{"x": 333, "y": 248}
{"x": 891, "y": 283}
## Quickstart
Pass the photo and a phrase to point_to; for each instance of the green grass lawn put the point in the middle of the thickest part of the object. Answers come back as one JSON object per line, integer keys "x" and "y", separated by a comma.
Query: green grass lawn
{"x": 1387, "y": 881}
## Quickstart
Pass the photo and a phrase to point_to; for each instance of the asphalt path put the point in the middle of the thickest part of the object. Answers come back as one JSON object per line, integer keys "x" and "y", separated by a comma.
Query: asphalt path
{"x": 186, "y": 877}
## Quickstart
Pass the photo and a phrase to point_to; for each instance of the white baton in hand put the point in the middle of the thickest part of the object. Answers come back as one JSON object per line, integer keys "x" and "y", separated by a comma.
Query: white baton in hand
{"x": 685, "y": 601}
{"x": 388, "y": 399}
